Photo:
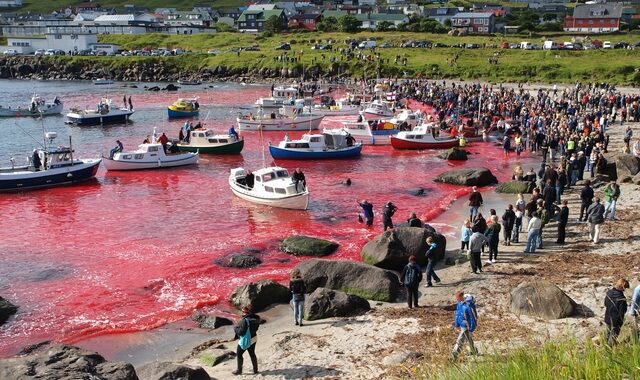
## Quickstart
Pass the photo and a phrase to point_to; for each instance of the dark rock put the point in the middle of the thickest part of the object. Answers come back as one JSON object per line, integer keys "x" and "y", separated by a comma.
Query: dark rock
{"x": 327, "y": 303}
{"x": 515, "y": 187}
{"x": 454, "y": 154}
{"x": 625, "y": 179}
{"x": 210, "y": 321}
{"x": 363, "y": 280}
{"x": 541, "y": 299}
{"x": 243, "y": 261}
{"x": 627, "y": 165}
{"x": 260, "y": 295}
{"x": 308, "y": 246}
{"x": 7, "y": 309}
{"x": 154, "y": 88}
{"x": 171, "y": 87}
{"x": 468, "y": 177}
{"x": 391, "y": 249}
{"x": 65, "y": 363}
{"x": 456, "y": 259}
{"x": 610, "y": 170}
{"x": 171, "y": 371}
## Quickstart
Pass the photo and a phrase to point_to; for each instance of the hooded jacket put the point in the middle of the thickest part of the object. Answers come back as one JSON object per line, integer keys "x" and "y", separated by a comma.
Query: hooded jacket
{"x": 466, "y": 315}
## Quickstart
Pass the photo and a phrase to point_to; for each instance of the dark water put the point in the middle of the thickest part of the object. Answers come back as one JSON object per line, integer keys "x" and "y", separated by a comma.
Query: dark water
{"x": 133, "y": 250}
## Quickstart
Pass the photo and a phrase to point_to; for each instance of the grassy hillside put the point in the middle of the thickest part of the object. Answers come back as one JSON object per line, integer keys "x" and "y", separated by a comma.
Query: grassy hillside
{"x": 41, "y": 6}
{"x": 618, "y": 66}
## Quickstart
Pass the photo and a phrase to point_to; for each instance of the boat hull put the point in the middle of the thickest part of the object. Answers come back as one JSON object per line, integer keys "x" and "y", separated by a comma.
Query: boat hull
{"x": 399, "y": 143}
{"x": 12, "y": 182}
{"x": 298, "y": 201}
{"x": 341, "y": 112}
{"x": 49, "y": 110}
{"x": 98, "y": 119}
{"x": 288, "y": 154}
{"x": 174, "y": 114}
{"x": 231, "y": 148}
{"x": 377, "y": 116}
{"x": 168, "y": 162}
{"x": 301, "y": 123}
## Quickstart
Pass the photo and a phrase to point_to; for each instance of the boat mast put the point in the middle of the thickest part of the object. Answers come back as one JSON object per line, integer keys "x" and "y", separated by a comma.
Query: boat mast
{"x": 71, "y": 150}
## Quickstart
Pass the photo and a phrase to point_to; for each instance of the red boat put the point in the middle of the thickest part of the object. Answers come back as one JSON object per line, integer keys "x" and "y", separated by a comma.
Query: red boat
{"x": 422, "y": 137}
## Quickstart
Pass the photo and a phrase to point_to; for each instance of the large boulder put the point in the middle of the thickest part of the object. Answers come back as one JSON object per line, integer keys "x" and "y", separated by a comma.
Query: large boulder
{"x": 541, "y": 299}
{"x": 210, "y": 321}
{"x": 243, "y": 261}
{"x": 327, "y": 303}
{"x": 7, "y": 309}
{"x": 299, "y": 245}
{"x": 171, "y": 371}
{"x": 260, "y": 295}
{"x": 391, "y": 249}
{"x": 515, "y": 187}
{"x": 627, "y": 165}
{"x": 468, "y": 177}
{"x": 65, "y": 362}
{"x": 454, "y": 154}
{"x": 363, "y": 280}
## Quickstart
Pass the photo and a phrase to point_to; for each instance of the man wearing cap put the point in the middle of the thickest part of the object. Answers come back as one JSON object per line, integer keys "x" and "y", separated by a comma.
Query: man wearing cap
{"x": 475, "y": 201}
{"x": 387, "y": 213}
{"x": 249, "y": 321}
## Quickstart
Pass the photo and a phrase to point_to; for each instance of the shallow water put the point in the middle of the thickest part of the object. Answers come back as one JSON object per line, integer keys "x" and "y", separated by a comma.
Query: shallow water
{"x": 133, "y": 250}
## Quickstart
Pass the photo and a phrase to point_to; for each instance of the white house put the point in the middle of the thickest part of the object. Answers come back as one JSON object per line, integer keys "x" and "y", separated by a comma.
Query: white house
{"x": 10, "y": 3}
{"x": 65, "y": 42}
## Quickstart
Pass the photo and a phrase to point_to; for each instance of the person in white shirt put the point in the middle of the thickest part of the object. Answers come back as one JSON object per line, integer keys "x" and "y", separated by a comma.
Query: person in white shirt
{"x": 535, "y": 224}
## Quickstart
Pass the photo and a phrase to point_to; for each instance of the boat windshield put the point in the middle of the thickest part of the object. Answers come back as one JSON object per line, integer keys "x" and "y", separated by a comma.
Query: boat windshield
{"x": 208, "y": 133}
{"x": 282, "y": 173}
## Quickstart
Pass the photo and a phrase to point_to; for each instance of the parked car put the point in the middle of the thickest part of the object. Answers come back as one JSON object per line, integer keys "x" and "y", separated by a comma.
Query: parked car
{"x": 10, "y": 52}
{"x": 514, "y": 45}
{"x": 607, "y": 45}
{"x": 385, "y": 45}
{"x": 621, "y": 45}
{"x": 407, "y": 44}
{"x": 440, "y": 45}
{"x": 285, "y": 47}
{"x": 473, "y": 46}
{"x": 213, "y": 51}
{"x": 369, "y": 44}
{"x": 39, "y": 52}
{"x": 54, "y": 52}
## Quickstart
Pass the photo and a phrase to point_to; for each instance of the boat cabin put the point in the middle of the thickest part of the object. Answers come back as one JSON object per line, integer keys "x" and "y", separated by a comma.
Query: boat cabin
{"x": 281, "y": 95}
{"x": 378, "y": 107}
{"x": 207, "y": 137}
{"x": 318, "y": 142}
{"x": 144, "y": 152}
{"x": 272, "y": 180}
{"x": 422, "y": 132}
{"x": 185, "y": 105}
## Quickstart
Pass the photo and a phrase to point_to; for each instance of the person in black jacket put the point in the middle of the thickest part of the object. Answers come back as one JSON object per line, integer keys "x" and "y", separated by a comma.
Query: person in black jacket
{"x": 410, "y": 277}
{"x": 586, "y": 197}
{"x": 615, "y": 304}
{"x": 387, "y": 212}
{"x": 563, "y": 219}
{"x": 297, "y": 288}
{"x": 508, "y": 220}
{"x": 414, "y": 221}
{"x": 249, "y": 321}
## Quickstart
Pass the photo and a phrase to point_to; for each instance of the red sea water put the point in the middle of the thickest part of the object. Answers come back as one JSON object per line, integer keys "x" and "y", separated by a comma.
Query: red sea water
{"x": 134, "y": 250}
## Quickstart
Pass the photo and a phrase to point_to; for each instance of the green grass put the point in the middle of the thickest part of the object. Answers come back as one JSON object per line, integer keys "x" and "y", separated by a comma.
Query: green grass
{"x": 51, "y": 5}
{"x": 616, "y": 66}
{"x": 563, "y": 360}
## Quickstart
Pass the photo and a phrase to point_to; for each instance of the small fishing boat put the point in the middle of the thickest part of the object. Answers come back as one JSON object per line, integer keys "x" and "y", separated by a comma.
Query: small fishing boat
{"x": 47, "y": 167}
{"x": 105, "y": 113}
{"x": 378, "y": 110}
{"x": 341, "y": 107}
{"x": 186, "y": 82}
{"x": 37, "y": 107}
{"x": 407, "y": 118}
{"x": 270, "y": 186}
{"x": 102, "y": 81}
{"x": 280, "y": 96}
{"x": 279, "y": 122}
{"x": 362, "y": 132}
{"x": 184, "y": 108}
{"x": 424, "y": 136}
{"x": 205, "y": 141}
{"x": 329, "y": 144}
{"x": 149, "y": 156}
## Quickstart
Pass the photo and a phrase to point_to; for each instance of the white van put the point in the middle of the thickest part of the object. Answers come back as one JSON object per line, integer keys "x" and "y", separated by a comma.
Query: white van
{"x": 607, "y": 45}
{"x": 525, "y": 45}
{"x": 568, "y": 46}
{"x": 550, "y": 45}
{"x": 367, "y": 44}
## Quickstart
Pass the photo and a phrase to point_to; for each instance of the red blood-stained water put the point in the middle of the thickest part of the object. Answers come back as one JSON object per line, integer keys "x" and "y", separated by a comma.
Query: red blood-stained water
{"x": 134, "y": 250}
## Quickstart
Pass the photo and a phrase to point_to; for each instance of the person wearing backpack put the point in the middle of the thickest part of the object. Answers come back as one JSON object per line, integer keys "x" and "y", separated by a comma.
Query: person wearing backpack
{"x": 247, "y": 331}
{"x": 297, "y": 288}
{"x": 411, "y": 277}
{"x": 466, "y": 319}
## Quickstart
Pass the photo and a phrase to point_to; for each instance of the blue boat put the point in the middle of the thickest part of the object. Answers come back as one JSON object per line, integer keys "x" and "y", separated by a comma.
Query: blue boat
{"x": 331, "y": 144}
{"x": 48, "y": 167}
{"x": 183, "y": 108}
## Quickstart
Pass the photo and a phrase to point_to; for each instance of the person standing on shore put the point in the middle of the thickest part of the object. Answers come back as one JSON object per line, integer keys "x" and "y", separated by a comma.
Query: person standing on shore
{"x": 586, "y": 197}
{"x": 298, "y": 290}
{"x": 466, "y": 319}
{"x": 508, "y": 221}
{"x": 595, "y": 215}
{"x": 493, "y": 238}
{"x": 615, "y": 304}
{"x": 431, "y": 262}
{"x": 465, "y": 235}
{"x": 563, "y": 219}
{"x": 249, "y": 324}
{"x": 532, "y": 233}
{"x": 611, "y": 194}
{"x": 475, "y": 201}
{"x": 476, "y": 242}
{"x": 410, "y": 277}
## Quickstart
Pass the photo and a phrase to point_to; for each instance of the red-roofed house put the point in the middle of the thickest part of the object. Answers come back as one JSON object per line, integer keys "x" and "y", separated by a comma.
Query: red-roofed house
{"x": 305, "y": 21}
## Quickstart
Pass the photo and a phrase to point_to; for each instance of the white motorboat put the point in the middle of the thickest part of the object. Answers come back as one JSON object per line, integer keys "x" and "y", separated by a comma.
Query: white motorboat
{"x": 378, "y": 110}
{"x": 102, "y": 81}
{"x": 289, "y": 118}
{"x": 407, "y": 118}
{"x": 280, "y": 96}
{"x": 425, "y": 136}
{"x": 341, "y": 107}
{"x": 334, "y": 143}
{"x": 37, "y": 107}
{"x": 362, "y": 132}
{"x": 270, "y": 186}
{"x": 149, "y": 156}
{"x": 105, "y": 113}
